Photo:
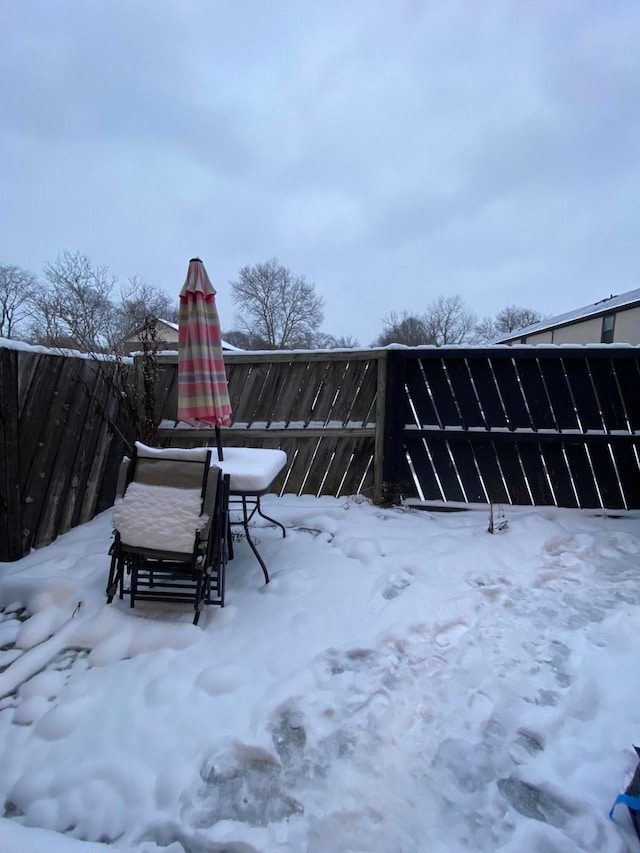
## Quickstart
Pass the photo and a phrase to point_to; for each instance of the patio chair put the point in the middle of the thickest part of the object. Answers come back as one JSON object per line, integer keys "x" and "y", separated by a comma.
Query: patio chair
{"x": 171, "y": 525}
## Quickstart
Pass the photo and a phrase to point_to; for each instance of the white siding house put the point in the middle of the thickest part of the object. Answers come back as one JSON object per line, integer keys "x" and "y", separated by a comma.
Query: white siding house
{"x": 167, "y": 338}
{"x": 613, "y": 320}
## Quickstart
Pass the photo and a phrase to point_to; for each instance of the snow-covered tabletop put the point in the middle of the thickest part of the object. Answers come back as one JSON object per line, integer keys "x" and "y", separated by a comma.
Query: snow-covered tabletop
{"x": 251, "y": 469}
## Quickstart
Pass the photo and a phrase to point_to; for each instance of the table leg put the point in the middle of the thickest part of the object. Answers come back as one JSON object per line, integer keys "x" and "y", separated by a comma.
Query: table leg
{"x": 245, "y": 523}
{"x": 268, "y": 518}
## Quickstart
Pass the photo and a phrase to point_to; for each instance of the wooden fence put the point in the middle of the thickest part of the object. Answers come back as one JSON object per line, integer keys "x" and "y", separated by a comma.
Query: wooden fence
{"x": 526, "y": 425}
{"x": 523, "y": 425}
{"x": 321, "y": 408}
{"x": 58, "y": 449}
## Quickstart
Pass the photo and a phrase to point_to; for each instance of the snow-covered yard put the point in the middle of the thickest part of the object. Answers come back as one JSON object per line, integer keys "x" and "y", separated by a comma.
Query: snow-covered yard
{"x": 406, "y": 682}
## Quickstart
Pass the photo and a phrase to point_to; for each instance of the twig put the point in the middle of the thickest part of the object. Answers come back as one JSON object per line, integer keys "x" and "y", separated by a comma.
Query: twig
{"x": 37, "y": 657}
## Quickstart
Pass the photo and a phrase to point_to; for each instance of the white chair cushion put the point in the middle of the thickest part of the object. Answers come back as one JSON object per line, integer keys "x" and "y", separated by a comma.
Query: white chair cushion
{"x": 159, "y": 517}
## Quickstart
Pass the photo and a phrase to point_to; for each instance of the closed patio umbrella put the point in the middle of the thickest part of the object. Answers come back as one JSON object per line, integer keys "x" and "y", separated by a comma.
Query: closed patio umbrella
{"x": 203, "y": 396}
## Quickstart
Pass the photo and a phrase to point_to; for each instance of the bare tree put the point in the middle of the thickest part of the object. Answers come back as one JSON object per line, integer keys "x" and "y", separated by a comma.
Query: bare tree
{"x": 486, "y": 331}
{"x": 513, "y": 317}
{"x": 75, "y": 310}
{"x": 320, "y": 340}
{"x": 324, "y": 341}
{"x": 18, "y": 288}
{"x": 140, "y": 301}
{"x": 277, "y": 307}
{"x": 244, "y": 340}
{"x": 448, "y": 321}
{"x": 508, "y": 320}
{"x": 403, "y": 328}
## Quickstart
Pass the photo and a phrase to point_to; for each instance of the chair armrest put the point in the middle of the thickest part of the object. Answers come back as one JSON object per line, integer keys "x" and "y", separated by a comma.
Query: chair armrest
{"x": 209, "y": 506}
{"x": 123, "y": 470}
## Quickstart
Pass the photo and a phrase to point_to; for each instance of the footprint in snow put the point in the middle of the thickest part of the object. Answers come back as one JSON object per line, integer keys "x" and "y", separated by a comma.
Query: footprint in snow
{"x": 397, "y": 584}
{"x": 449, "y": 635}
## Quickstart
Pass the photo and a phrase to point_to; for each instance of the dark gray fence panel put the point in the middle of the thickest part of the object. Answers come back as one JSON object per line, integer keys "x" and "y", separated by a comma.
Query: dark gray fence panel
{"x": 524, "y": 425}
{"x": 60, "y": 439}
{"x": 10, "y": 504}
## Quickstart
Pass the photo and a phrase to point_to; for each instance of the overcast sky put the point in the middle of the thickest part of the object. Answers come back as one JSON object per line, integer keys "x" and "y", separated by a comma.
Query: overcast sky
{"x": 388, "y": 150}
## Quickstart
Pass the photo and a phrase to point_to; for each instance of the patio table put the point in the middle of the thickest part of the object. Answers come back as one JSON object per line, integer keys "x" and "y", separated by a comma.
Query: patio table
{"x": 252, "y": 471}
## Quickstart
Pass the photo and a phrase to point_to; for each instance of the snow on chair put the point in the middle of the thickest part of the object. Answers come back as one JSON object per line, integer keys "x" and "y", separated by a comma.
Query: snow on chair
{"x": 171, "y": 523}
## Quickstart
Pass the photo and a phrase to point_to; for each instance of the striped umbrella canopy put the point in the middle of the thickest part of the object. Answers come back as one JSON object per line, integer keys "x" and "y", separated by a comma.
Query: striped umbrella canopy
{"x": 203, "y": 396}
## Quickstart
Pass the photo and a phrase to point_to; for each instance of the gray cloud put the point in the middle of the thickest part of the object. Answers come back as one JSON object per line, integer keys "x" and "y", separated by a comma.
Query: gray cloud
{"x": 389, "y": 153}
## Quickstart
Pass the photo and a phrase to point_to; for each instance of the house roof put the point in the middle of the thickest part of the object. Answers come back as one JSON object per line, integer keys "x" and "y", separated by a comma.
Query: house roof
{"x": 135, "y": 332}
{"x": 603, "y": 306}
{"x": 176, "y": 328}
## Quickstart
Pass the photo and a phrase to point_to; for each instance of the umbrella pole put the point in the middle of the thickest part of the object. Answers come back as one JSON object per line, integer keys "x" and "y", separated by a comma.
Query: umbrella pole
{"x": 219, "y": 444}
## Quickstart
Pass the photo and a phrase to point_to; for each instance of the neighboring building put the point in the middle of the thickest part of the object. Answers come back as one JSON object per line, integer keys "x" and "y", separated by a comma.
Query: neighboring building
{"x": 167, "y": 338}
{"x": 613, "y": 320}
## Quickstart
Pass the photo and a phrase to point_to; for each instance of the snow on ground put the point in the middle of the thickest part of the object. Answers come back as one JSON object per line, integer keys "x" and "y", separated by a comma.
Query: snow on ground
{"x": 406, "y": 682}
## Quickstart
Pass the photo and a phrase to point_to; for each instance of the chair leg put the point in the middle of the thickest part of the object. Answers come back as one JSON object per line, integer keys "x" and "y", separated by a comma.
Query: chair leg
{"x": 201, "y": 595}
{"x": 116, "y": 576}
{"x": 134, "y": 583}
{"x": 112, "y": 574}
{"x": 229, "y": 537}
{"x": 222, "y": 571}
{"x": 126, "y": 568}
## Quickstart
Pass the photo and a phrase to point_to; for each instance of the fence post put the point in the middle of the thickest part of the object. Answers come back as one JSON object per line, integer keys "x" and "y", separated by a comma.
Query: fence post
{"x": 378, "y": 447}
{"x": 393, "y": 426}
{"x": 10, "y": 498}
